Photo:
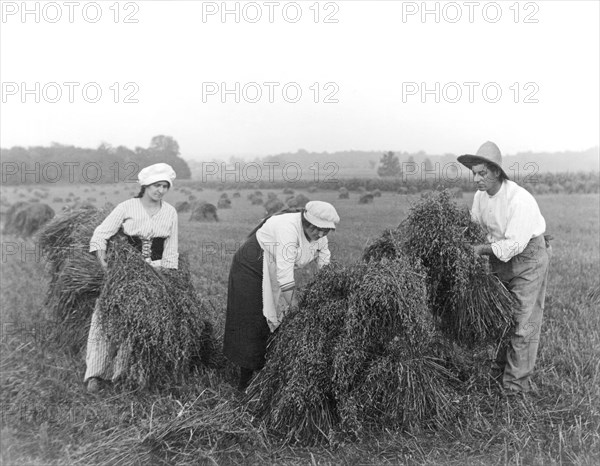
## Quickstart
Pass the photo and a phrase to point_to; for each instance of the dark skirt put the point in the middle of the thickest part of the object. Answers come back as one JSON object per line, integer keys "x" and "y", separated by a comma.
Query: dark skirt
{"x": 246, "y": 329}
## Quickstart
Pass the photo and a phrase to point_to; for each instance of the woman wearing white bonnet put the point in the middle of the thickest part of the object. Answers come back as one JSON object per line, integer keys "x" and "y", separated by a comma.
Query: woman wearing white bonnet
{"x": 150, "y": 225}
{"x": 261, "y": 279}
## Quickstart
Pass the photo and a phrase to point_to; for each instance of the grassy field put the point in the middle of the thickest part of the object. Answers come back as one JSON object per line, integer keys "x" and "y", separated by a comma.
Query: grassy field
{"x": 48, "y": 418}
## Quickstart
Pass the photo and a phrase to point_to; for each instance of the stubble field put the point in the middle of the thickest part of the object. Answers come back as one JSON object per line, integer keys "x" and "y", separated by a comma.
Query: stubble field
{"x": 48, "y": 418}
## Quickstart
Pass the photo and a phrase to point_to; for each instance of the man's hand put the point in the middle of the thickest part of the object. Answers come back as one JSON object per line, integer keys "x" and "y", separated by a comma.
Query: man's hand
{"x": 483, "y": 250}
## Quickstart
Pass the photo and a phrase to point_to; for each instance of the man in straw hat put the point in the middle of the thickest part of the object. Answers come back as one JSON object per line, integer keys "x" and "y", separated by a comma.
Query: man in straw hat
{"x": 518, "y": 253}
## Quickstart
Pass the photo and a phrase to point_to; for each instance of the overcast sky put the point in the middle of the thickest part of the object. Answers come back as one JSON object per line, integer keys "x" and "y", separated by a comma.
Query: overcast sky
{"x": 525, "y": 75}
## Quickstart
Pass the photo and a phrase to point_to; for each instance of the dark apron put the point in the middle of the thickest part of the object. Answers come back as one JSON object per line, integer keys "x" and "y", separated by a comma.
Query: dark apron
{"x": 246, "y": 329}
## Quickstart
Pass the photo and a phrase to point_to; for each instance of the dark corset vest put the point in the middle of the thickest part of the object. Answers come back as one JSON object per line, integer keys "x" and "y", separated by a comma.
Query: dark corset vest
{"x": 156, "y": 249}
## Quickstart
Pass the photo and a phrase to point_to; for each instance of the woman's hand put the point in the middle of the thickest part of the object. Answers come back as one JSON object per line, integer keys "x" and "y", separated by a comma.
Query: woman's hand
{"x": 289, "y": 297}
{"x": 101, "y": 255}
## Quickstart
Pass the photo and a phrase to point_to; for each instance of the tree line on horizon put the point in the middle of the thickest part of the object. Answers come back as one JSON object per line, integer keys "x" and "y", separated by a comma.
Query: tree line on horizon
{"x": 107, "y": 164}
{"x": 60, "y": 163}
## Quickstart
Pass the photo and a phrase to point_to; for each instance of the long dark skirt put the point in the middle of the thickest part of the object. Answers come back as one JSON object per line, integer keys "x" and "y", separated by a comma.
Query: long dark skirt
{"x": 246, "y": 329}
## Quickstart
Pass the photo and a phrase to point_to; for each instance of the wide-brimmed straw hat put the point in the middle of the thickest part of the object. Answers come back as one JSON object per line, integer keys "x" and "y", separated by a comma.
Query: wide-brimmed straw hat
{"x": 487, "y": 153}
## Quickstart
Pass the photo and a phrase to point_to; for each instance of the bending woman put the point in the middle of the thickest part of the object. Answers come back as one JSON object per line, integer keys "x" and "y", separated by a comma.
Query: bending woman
{"x": 150, "y": 226}
{"x": 262, "y": 275}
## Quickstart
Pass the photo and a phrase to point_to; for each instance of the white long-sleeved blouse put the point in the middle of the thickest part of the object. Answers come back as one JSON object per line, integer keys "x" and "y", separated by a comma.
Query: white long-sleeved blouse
{"x": 284, "y": 243}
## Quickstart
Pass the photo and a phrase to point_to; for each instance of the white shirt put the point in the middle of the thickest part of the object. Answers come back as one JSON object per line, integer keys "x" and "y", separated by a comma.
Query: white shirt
{"x": 285, "y": 248}
{"x": 510, "y": 219}
{"x": 285, "y": 244}
{"x": 135, "y": 220}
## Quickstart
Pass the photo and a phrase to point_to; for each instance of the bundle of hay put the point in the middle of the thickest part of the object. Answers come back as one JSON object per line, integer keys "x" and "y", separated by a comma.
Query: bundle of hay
{"x": 204, "y": 212}
{"x": 343, "y": 193}
{"x": 25, "y": 219}
{"x": 9, "y": 216}
{"x": 224, "y": 196}
{"x": 271, "y": 196}
{"x": 183, "y": 206}
{"x": 312, "y": 189}
{"x": 224, "y": 203}
{"x": 388, "y": 245}
{"x": 376, "y": 193}
{"x": 376, "y": 345}
{"x": 75, "y": 274}
{"x": 156, "y": 316}
{"x": 471, "y": 305}
{"x": 256, "y": 198}
{"x": 236, "y": 195}
{"x": 365, "y": 198}
{"x": 288, "y": 191}
{"x": 298, "y": 201}
{"x": 359, "y": 353}
{"x": 273, "y": 206}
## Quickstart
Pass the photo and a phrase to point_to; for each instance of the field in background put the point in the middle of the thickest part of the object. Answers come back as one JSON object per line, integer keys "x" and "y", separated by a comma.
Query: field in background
{"x": 47, "y": 418}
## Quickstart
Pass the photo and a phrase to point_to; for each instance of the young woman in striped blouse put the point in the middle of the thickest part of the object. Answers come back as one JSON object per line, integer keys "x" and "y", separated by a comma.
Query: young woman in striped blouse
{"x": 150, "y": 225}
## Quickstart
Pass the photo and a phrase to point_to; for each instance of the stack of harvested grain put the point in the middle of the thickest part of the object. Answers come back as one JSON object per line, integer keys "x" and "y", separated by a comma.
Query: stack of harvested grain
{"x": 360, "y": 331}
{"x": 75, "y": 275}
{"x": 24, "y": 219}
{"x": 366, "y": 198}
{"x": 183, "y": 206}
{"x": 298, "y": 201}
{"x": 471, "y": 304}
{"x": 274, "y": 205}
{"x": 372, "y": 345}
{"x": 203, "y": 212}
{"x": 256, "y": 198}
{"x": 224, "y": 202}
{"x": 155, "y": 315}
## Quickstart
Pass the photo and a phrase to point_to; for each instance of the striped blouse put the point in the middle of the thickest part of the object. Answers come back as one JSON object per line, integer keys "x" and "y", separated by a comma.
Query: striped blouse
{"x": 135, "y": 220}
